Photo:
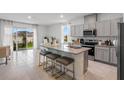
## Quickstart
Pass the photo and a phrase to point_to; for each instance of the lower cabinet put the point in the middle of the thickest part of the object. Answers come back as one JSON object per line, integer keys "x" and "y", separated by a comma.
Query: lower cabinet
{"x": 102, "y": 54}
{"x": 113, "y": 57}
{"x": 106, "y": 54}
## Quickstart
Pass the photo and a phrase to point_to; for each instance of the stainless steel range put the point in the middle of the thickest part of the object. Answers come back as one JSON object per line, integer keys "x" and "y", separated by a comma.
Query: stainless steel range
{"x": 90, "y": 44}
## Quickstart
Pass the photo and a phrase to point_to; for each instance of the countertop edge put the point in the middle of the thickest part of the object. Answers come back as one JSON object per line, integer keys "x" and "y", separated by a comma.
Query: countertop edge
{"x": 86, "y": 49}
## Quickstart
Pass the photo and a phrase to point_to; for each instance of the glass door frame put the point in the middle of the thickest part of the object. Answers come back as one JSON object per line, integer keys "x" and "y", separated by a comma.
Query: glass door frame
{"x": 17, "y": 43}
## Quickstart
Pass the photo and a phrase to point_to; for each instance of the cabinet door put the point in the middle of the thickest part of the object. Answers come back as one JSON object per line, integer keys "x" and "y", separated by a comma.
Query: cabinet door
{"x": 106, "y": 54}
{"x": 76, "y": 30}
{"x": 106, "y": 28}
{"x": 99, "y": 28}
{"x": 98, "y": 53}
{"x": 114, "y": 27}
{"x": 72, "y": 30}
{"x": 103, "y": 28}
{"x": 92, "y": 26}
{"x": 80, "y": 30}
{"x": 113, "y": 57}
{"x": 85, "y": 26}
{"x": 102, "y": 54}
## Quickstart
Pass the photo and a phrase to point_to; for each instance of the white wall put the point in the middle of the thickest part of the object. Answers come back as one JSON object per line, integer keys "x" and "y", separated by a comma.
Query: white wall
{"x": 55, "y": 31}
{"x": 41, "y": 33}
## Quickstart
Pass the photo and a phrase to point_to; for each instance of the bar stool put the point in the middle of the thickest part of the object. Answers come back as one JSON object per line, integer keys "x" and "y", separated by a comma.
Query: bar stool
{"x": 52, "y": 58}
{"x": 43, "y": 53}
{"x": 65, "y": 61}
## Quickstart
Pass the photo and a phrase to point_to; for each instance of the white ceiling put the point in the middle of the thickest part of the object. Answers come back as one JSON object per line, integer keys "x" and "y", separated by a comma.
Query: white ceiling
{"x": 41, "y": 18}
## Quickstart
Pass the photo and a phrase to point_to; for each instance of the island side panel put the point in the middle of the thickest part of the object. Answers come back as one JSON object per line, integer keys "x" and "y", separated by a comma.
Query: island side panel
{"x": 81, "y": 64}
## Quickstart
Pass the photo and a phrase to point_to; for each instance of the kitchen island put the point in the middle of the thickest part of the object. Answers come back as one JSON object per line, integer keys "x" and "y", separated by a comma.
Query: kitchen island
{"x": 80, "y": 56}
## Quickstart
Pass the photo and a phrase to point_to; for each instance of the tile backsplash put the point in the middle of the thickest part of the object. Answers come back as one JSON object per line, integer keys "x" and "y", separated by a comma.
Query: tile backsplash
{"x": 104, "y": 38}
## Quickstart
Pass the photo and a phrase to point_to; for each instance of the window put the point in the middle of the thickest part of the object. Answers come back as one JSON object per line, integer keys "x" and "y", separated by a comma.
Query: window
{"x": 66, "y": 33}
{"x": 22, "y": 38}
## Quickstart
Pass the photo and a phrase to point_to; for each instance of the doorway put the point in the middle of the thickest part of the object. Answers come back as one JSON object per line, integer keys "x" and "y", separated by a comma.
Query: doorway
{"x": 22, "y": 39}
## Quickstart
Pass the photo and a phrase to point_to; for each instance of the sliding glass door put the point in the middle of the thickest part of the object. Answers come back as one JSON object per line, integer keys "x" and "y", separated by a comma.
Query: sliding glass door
{"x": 22, "y": 39}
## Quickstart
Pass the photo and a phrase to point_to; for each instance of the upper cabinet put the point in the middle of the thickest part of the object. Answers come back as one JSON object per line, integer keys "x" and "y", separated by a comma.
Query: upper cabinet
{"x": 99, "y": 28}
{"x": 85, "y": 26}
{"x": 90, "y": 22}
{"x": 76, "y": 30}
{"x": 72, "y": 29}
{"x": 103, "y": 28}
{"x": 114, "y": 27}
{"x": 89, "y": 26}
{"x": 108, "y": 28}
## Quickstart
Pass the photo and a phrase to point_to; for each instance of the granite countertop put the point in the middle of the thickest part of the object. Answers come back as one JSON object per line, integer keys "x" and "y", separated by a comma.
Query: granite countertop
{"x": 105, "y": 46}
{"x": 66, "y": 48}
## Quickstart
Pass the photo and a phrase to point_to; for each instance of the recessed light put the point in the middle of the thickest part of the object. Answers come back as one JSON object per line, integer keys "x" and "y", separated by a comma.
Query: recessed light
{"x": 61, "y": 16}
{"x": 29, "y": 17}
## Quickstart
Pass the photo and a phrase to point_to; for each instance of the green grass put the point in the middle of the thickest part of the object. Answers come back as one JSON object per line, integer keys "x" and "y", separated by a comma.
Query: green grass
{"x": 20, "y": 46}
{"x": 30, "y": 45}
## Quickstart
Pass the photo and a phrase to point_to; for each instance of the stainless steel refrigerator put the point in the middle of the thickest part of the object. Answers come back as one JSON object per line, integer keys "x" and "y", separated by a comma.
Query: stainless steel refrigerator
{"x": 120, "y": 52}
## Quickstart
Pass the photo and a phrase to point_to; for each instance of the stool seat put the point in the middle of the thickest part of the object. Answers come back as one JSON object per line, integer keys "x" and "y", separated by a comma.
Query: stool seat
{"x": 52, "y": 56}
{"x": 65, "y": 60}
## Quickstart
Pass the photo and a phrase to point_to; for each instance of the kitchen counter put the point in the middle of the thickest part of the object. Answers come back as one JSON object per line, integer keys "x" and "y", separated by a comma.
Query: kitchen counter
{"x": 66, "y": 48}
{"x": 80, "y": 56}
{"x": 105, "y": 46}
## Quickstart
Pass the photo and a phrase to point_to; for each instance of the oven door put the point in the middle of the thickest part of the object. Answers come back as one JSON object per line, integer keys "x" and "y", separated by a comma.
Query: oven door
{"x": 91, "y": 51}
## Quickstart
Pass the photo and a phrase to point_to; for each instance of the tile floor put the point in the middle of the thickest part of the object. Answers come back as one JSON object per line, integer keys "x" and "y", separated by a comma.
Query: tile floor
{"x": 24, "y": 66}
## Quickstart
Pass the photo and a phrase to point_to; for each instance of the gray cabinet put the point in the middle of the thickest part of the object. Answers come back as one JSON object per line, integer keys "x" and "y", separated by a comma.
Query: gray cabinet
{"x": 76, "y": 30}
{"x": 89, "y": 26}
{"x": 103, "y": 28}
{"x": 85, "y": 26}
{"x": 98, "y": 53}
{"x": 102, "y": 54}
{"x": 107, "y": 28}
{"x": 92, "y": 26}
{"x": 114, "y": 27}
{"x": 99, "y": 28}
{"x": 72, "y": 29}
{"x": 113, "y": 57}
{"x": 106, "y": 54}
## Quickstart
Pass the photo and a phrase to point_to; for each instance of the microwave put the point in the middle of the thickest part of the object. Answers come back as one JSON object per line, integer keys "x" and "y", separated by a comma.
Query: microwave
{"x": 89, "y": 32}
